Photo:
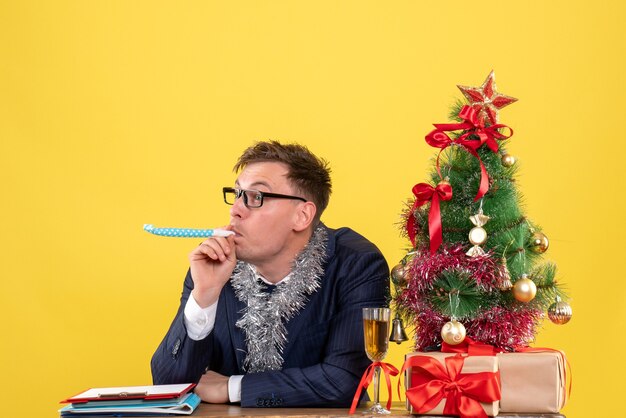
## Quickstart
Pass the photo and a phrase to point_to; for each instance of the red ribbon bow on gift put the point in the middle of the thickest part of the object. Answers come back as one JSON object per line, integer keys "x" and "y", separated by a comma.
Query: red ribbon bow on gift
{"x": 426, "y": 193}
{"x": 470, "y": 347}
{"x": 463, "y": 392}
{"x": 388, "y": 370}
{"x": 473, "y": 125}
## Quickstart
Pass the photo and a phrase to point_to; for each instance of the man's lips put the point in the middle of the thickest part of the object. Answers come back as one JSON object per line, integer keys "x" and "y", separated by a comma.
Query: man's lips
{"x": 236, "y": 231}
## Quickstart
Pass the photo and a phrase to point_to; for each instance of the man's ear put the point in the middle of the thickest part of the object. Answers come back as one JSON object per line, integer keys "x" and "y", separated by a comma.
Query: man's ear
{"x": 304, "y": 216}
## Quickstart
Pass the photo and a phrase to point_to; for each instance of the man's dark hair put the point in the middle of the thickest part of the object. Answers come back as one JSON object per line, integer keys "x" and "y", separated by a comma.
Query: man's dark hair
{"x": 309, "y": 174}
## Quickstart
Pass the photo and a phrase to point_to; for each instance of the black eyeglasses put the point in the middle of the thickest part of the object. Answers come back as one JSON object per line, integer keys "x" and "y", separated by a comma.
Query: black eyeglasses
{"x": 252, "y": 198}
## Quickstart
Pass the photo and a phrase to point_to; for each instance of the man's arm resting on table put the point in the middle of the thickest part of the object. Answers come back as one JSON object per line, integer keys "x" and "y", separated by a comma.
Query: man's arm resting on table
{"x": 200, "y": 322}
{"x": 180, "y": 358}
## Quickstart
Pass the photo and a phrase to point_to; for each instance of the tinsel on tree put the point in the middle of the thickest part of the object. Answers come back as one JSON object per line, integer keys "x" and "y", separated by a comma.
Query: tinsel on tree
{"x": 475, "y": 267}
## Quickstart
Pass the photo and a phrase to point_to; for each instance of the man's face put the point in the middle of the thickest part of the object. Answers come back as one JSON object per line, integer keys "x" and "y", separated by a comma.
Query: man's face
{"x": 266, "y": 233}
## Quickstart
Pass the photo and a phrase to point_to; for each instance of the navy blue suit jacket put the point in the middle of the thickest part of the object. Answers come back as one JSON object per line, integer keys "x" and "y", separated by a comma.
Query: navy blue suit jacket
{"x": 324, "y": 357}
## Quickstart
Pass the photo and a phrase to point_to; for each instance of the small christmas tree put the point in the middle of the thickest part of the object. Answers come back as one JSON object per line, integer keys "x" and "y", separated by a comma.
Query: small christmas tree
{"x": 474, "y": 268}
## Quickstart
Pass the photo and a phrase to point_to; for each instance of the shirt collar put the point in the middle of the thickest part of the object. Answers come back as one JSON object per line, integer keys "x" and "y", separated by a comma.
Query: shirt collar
{"x": 264, "y": 280}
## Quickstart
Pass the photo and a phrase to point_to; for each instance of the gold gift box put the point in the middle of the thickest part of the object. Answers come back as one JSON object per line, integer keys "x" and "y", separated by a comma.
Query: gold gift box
{"x": 533, "y": 382}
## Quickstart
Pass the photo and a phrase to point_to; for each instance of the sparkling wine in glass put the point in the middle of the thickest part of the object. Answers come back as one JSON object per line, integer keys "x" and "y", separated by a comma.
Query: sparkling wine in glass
{"x": 376, "y": 332}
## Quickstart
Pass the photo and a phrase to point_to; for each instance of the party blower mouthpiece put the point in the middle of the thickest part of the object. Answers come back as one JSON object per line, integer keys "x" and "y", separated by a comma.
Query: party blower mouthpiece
{"x": 187, "y": 232}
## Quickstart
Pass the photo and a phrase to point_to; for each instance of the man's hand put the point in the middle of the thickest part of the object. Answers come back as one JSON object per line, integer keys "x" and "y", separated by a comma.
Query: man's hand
{"x": 212, "y": 263}
{"x": 213, "y": 388}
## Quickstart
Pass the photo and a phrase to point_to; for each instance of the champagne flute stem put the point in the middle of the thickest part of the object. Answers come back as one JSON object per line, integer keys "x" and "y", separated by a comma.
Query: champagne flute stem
{"x": 376, "y": 384}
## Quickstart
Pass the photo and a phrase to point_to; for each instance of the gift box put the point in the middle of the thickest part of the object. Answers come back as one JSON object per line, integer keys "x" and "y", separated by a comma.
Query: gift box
{"x": 452, "y": 384}
{"x": 532, "y": 382}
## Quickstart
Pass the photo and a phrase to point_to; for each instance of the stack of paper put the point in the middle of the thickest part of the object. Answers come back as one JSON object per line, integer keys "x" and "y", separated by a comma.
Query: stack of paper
{"x": 133, "y": 401}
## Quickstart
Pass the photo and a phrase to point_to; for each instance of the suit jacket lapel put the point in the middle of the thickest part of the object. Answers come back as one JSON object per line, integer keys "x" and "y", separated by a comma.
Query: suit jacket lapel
{"x": 233, "y": 307}
{"x": 295, "y": 325}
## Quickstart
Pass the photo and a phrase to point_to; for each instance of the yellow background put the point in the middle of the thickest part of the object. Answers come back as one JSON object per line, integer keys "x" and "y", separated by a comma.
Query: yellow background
{"x": 118, "y": 113}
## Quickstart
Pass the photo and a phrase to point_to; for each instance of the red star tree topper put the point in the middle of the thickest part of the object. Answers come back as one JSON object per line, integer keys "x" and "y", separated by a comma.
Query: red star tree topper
{"x": 486, "y": 99}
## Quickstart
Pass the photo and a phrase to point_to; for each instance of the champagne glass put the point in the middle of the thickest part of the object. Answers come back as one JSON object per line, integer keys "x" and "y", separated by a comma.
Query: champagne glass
{"x": 376, "y": 332}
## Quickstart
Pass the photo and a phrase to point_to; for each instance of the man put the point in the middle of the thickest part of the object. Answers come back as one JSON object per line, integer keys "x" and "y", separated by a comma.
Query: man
{"x": 272, "y": 315}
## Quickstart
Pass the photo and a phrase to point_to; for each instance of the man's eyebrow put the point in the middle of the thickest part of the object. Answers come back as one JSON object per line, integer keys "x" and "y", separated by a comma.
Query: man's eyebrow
{"x": 255, "y": 184}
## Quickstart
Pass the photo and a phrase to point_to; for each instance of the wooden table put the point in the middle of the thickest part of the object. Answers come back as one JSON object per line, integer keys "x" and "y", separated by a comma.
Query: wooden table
{"x": 206, "y": 410}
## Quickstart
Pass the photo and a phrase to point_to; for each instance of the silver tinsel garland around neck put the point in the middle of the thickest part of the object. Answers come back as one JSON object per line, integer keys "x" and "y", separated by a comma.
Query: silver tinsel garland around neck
{"x": 265, "y": 315}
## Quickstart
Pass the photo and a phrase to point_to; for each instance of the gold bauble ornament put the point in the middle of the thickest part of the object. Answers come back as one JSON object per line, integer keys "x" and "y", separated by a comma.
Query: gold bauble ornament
{"x": 539, "y": 242}
{"x": 560, "y": 312}
{"x": 524, "y": 289}
{"x": 453, "y": 332}
{"x": 398, "y": 275}
{"x": 507, "y": 160}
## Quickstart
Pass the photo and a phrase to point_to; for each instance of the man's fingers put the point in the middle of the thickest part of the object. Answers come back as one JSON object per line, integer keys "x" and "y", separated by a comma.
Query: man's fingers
{"x": 220, "y": 242}
{"x": 215, "y": 249}
{"x": 213, "y": 252}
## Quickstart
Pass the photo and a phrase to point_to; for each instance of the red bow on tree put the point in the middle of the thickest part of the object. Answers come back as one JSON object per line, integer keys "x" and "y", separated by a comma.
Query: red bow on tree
{"x": 426, "y": 193}
{"x": 473, "y": 125}
{"x": 463, "y": 392}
